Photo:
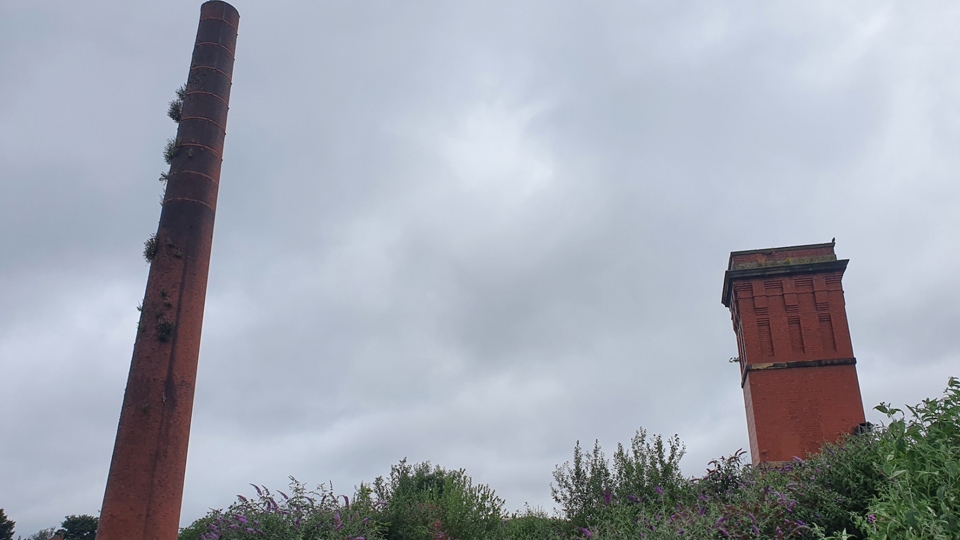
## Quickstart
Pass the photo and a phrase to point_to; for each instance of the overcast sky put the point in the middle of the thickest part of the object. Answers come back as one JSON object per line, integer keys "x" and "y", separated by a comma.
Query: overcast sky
{"x": 470, "y": 233}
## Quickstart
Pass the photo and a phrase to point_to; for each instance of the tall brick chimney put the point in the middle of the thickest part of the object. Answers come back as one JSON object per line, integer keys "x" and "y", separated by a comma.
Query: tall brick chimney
{"x": 145, "y": 486}
{"x": 797, "y": 369}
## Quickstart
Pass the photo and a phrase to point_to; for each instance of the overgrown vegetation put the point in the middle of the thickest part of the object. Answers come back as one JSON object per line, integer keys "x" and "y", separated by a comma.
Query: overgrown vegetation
{"x": 73, "y": 527}
{"x": 420, "y": 501}
{"x": 169, "y": 152}
{"x": 42, "y": 534}
{"x": 165, "y": 329}
{"x": 150, "y": 248}
{"x": 901, "y": 481}
{"x": 176, "y": 106}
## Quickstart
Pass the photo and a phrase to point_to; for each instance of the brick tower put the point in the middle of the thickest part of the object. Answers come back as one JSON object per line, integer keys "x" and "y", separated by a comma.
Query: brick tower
{"x": 797, "y": 369}
{"x": 144, "y": 488}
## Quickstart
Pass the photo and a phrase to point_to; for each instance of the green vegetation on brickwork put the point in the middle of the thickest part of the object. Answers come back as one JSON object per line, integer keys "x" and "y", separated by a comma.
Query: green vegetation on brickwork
{"x": 901, "y": 481}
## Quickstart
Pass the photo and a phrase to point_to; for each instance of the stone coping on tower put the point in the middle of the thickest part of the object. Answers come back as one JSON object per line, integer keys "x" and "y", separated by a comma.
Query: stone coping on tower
{"x": 758, "y": 263}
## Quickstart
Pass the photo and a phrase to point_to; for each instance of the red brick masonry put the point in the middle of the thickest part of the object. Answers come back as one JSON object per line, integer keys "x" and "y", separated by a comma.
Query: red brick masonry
{"x": 797, "y": 368}
{"x": 145, "y": 486}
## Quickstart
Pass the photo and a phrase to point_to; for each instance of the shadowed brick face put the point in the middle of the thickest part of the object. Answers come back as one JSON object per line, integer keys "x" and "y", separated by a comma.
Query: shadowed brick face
{"x": 797, "y": 367}
{"x": 145, "y": 486}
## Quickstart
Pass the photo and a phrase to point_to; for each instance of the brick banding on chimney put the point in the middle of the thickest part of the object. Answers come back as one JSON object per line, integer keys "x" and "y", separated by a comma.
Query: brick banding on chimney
{"x": 788, "y": 311}
{"x": 144, "y": 489}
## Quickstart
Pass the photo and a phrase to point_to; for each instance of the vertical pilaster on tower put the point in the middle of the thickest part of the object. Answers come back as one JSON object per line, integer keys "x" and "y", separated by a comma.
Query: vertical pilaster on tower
{"x": 145, "y": 485}
{"x": 797, "y": 368}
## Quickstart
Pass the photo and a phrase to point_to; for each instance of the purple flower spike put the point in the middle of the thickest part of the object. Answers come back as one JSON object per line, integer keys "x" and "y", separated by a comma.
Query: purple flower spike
{"x": 607, "y": 496}
{"x": 346, "y": 501}
{"x": 659, "y": 491}
{"x": 586, "y": 533}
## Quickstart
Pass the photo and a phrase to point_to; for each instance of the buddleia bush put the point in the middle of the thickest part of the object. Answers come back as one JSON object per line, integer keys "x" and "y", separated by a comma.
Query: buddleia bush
{"x": 589, "y": 485}
{"x": 642, "y": 493}
{"x": 919, "y": 455}
{"x": 425, "y": 502}
{"x": 303, "y": 514}
{"x": 897, "y": 482}
{"x": 416, "y": 502}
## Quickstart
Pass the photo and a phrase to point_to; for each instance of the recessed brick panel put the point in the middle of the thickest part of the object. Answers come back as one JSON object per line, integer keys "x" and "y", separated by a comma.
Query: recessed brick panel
{"x": 798, "y": 371}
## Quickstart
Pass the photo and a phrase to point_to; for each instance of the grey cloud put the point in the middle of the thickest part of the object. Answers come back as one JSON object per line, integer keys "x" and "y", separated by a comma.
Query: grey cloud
{"x": 473, "y": 234}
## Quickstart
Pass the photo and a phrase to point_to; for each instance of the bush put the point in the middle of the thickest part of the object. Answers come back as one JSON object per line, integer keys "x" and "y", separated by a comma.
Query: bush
{"x": 898, "y": 482}
{"x": 650, "y": 471}
{"x": 647, "y": 497}
{"x": 42, "y": 534}
{"x": 535, "y": 524}
{"x": 424, "y": 502}
{"x": 302, "y": 515}
{"x": 919, "y": 458}
{"x": 416, "y": 502}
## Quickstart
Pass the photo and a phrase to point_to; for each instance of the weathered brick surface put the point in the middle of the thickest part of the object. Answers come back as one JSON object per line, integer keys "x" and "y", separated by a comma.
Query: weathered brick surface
{"x": 144, "y": 488}
{"x": 797, "y": 366}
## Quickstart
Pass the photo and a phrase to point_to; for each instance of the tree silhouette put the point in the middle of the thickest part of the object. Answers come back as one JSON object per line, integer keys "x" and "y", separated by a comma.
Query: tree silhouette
{"x": 6, "y": 527}
{"x": 80, "y": 527}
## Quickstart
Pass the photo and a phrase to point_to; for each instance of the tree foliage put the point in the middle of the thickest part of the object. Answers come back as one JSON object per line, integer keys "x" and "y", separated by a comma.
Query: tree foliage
{"x": 6, "y": 526}
{"x": 83, "y": 527}
{"x": 42, "y": 534}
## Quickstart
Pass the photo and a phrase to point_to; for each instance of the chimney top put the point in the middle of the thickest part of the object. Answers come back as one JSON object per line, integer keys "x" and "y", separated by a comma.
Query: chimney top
{"x": 802, "y": 259}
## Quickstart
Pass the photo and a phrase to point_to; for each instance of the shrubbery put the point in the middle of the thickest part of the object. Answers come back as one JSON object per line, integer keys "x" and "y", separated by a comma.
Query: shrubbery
{"x": 920, "y": 458}
{"x": 423, "y": 502}
{"x": 897, "y": 482}
{"x": 303, "y": 514}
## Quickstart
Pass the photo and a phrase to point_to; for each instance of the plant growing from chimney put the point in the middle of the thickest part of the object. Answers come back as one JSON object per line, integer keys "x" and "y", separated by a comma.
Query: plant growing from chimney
{"x": 176, "y": 106}
{"x": 150, "y": 248}
{"x": 170, "y": 151}
{"x": 164, "y": 329}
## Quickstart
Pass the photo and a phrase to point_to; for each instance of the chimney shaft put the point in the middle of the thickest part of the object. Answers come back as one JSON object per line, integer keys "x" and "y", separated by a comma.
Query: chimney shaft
{"x": 145, "y": 485}
{"x": 797, "y": 369}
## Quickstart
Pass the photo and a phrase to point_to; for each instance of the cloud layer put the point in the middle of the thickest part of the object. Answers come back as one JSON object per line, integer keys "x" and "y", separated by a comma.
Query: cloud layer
{"x": 471, "y": 234}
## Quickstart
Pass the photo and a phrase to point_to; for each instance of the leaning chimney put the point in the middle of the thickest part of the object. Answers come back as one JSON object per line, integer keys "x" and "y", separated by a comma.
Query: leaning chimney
{"x": 797, "y": 369}
{"x": 145, "y": 485}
